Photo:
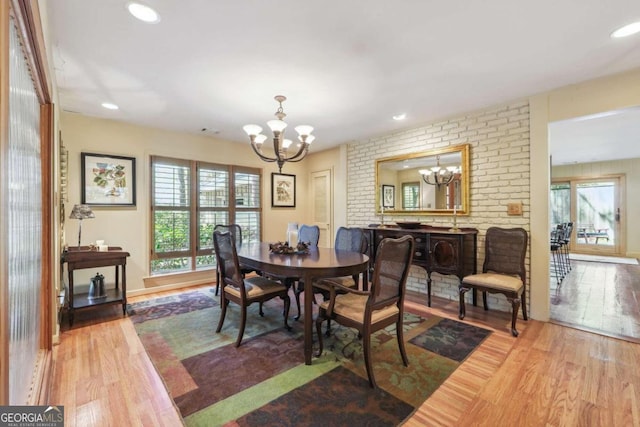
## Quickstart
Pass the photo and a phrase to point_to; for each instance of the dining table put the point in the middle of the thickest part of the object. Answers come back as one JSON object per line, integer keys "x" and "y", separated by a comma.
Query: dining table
{"x": 315, "y": 263}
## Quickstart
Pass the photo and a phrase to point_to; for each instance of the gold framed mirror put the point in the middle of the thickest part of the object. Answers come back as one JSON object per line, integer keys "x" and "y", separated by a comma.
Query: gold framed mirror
{"x": 434, "y": 182}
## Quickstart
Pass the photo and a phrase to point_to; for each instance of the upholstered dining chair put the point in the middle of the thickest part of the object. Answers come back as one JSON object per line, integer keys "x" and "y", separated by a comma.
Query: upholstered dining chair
{"x": 240, "y": 290}
{"x": 309, "y": 234}
{"x": 236, "y": 233}
{"x": 382, "y": 305}
{"x": 347, "y": 239}
{"x": 503, "y": 271}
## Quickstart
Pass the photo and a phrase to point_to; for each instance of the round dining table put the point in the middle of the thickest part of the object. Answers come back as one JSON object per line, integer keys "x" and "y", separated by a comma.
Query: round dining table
{"x": 316, "y": 264}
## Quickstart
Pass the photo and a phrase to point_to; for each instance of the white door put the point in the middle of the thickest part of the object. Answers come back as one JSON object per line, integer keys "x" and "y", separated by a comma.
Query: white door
{"x": 321, "y": 206}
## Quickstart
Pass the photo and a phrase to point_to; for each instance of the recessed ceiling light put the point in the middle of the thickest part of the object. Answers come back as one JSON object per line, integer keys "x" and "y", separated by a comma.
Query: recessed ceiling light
{"x": 110, "y": 106}
{"x": 400, "y": 116}
{"x": 627, "y": 30}
{"x": 143, "y": 12}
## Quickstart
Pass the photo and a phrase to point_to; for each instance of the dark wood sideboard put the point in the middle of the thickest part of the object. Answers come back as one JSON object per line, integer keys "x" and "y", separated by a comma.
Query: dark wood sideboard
{"x": 437, "y": 249}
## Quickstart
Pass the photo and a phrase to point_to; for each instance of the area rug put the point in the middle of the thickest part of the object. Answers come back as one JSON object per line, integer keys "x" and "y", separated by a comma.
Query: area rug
{"x": 265, "y": 380}
{"x": 600, "y": 258}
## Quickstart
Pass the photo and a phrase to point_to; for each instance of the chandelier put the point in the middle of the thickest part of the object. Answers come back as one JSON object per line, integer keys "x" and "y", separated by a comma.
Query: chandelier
{"x": 280, "y": 145}
{"x": 438, "y": 175}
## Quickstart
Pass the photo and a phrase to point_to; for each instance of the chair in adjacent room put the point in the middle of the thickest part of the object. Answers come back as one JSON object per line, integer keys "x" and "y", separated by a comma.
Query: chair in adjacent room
{"x": 557, "y": 254}
{"x": 503, "y": 271}
{"x": 380, "y": 306}
{"x": 240, "y": 290}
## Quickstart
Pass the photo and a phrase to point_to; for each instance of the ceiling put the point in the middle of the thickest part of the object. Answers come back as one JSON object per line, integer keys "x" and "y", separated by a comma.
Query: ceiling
{"x": 346, "y": 67}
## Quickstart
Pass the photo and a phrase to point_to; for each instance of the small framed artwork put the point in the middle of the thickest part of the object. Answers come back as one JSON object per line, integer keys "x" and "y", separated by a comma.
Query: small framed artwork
{"x": 108, "y": 180}
{"x": 283, "y": 190}
{"x": 388, "y": 196}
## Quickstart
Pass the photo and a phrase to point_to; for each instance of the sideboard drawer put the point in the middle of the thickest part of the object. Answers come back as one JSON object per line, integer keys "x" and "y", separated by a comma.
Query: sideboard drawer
{"x": 421, "y": 247}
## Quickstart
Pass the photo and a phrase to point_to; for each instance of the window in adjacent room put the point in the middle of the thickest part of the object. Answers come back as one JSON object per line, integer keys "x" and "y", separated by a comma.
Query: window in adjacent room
{"x": 410, "y": 195}
{"x": 189, "y": 199}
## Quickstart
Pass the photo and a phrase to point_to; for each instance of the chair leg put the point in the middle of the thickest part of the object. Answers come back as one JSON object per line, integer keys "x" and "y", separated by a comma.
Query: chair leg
{"x": 484, "y": 301}
{"x": 328, "y": 331}
{"x": 400, "y": 336}
{"x": 463, "y": 312}
{"x": 289, "y": 283}
{"x": 515, "y": 303}
{"x": 217, "y": 280}
{"x": 243, "y": 322}
{"x": 287, "y": 306}
{"x": 224, "y": 303}
{"x": 366, "y": 343}
{"x": 319, "y": 320}
{"x": 261, "y": 312}
{"x": 523, "y": 300}
{"x": 296, "y": 293}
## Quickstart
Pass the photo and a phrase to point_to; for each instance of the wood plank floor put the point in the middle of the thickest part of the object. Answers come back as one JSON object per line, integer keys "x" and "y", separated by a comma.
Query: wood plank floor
{"x": 549, "y": 375}
{"x": 600, "y": 297}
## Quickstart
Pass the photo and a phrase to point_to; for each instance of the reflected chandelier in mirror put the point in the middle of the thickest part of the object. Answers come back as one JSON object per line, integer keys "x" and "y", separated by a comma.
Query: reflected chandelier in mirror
{"x": 434, "y": 182}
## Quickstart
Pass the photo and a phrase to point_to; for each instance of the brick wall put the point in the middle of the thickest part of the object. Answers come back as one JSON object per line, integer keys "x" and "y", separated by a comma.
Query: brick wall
{"x": 499, "y": 157}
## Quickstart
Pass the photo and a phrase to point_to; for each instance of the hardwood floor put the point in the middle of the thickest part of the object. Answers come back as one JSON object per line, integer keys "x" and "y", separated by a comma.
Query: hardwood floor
{"x": 599, "y": 297}
{"x": 549, "y": 375}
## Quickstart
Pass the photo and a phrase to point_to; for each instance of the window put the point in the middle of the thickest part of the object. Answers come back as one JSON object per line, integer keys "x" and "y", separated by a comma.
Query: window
{"x": 189, "y": 199}
{"x": 411, "y": 195}
{"x": 560, "y": 202}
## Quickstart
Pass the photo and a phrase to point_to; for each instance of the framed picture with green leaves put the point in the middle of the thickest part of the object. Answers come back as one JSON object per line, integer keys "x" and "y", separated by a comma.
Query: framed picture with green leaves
{"x": 108, "y": 180}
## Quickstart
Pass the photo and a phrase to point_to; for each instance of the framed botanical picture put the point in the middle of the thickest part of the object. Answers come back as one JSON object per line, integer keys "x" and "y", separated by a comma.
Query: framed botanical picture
{"x": 388, "y": 196}
{"x": 108, "y": 180}
{"x": 283, "y": 190}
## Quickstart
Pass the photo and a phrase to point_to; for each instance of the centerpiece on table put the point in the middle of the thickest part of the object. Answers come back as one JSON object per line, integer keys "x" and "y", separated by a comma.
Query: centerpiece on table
{"x": 283, "y": 248}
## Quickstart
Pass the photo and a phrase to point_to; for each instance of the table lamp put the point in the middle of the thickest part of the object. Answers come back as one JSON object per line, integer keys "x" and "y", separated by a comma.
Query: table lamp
{"x": 81, "y": 212}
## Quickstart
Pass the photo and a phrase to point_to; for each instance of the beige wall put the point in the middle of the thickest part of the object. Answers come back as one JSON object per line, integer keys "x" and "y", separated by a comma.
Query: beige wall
{"x": 129, "y": 227}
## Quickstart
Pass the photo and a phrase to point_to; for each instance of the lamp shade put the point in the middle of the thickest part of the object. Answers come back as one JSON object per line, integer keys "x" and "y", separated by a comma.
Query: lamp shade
{"x": 252, "y": 129}
{"x": 276, "y": 125}
{"x": 304, "y": 130}
{"x": 81, "y": 212}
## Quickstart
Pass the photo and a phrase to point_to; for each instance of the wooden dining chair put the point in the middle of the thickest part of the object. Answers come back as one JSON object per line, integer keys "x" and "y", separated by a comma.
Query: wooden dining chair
{"x": 236, "y": 233}
{"x": 382, "y": 305}
{"x": 503, "y": 271}
{"x": 347, "y": 239}
{"x": 240, "y": 290}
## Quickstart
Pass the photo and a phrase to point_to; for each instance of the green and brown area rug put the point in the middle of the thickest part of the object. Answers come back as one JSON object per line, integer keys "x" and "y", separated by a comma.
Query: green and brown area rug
{"x": 265, "y": 380}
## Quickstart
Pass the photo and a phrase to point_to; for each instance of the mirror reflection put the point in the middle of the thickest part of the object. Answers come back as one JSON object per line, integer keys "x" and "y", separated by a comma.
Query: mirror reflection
{"x": 434, "y": 182}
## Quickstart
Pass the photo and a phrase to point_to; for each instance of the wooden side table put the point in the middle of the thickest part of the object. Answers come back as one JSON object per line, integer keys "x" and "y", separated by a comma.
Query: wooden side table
{"x": 81, "y": 257}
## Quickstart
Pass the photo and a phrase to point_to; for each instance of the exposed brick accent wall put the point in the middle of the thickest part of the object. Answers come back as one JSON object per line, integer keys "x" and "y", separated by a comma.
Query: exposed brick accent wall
{"x": 500, "y": 166}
